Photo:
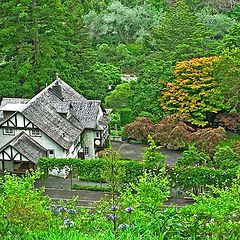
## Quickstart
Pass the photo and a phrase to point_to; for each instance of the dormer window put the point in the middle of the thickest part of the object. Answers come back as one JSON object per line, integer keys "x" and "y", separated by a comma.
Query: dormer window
{"x": 9, "y": 131}
{"x": 35, "y": 133}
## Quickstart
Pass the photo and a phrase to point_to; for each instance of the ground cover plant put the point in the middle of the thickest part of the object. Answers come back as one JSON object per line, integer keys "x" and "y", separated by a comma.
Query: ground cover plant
{"x": 138, "y": 213}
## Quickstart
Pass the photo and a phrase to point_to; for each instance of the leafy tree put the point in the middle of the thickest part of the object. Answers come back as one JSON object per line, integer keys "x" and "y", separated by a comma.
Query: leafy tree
{"x": 120, "y": 23}
{"x": 232, "y": 39}
{"x": 194, "y": 92}
{"x": 217, "y": 23}
{"x": 37, "y": 40}
{"x": 228, "y": 121}
{"x": 227, "y": 72}
{"x": 120, "y": 97}
{"x": 102, "y": 76}
{"x": 153, "y": 75}
{"x": 172, "y": 132}
{"x": 153, "y": 158}
{"x": 192, "y": 157}
{"x": 207, "y": 139}
{"x": 181, "y": 36}
{"x": 125, "y": 116}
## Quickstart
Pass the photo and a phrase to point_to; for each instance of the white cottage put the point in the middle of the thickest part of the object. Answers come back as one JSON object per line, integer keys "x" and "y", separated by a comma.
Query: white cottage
{"x": 58, "y": 123}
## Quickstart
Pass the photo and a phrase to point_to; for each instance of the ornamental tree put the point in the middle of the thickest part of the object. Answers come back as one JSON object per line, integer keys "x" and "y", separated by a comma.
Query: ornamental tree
{"x": 194, "y": 91}
{"x": 139, "y": 129}
{"x": 172, "y": 132}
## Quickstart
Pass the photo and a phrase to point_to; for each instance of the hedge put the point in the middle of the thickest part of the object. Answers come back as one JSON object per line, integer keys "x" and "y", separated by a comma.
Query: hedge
{"x": 187, "y": 178}
{"x": 90, "y": 170}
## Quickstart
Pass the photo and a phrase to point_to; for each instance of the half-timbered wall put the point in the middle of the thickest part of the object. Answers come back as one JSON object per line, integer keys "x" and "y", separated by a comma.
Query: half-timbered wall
{"x": 20, "y": 123}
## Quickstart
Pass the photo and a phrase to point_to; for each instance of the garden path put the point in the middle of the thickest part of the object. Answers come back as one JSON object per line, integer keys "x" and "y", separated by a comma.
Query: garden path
{"x": 135, "y": 151}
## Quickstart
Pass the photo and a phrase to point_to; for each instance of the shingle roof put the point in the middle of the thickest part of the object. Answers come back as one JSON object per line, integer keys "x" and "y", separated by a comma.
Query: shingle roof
{"x": 6, "y": 101}
{"x": 60, "y": 112}
{"x": 86, "y": 112}
{"x": 45, "y": 117}
{"x": 26, "y": 146}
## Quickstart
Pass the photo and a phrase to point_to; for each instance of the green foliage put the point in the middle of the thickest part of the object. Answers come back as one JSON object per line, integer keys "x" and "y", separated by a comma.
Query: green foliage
{"x": 198, "y": 179}
{"x": 148, "y": 194}
{"x": 120, "y": 23}
{"x": 192, "y": 157}
{"x": 102, "y": 76}
{"x": 152, "y": 76}
{"x": 125, "y": 116}
{"x": 42, "y": 43}
{"x": 152, "y": 157}
{"x": 22, "y": 207}
{"x": 91, "y": 188}
{"x": 120, "y": 97}
{"x": 181, "y": 36}
{"x": 90, "y": 170}
{"x": 226, "y": 158}
{"x": 217, "y": 217}
{"x": 227, "y": 72}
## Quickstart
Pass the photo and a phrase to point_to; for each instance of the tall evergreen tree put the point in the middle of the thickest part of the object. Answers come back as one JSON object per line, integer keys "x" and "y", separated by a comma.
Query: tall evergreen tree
{"x": 39, "y": 38}
{"x": 181, "y": 36}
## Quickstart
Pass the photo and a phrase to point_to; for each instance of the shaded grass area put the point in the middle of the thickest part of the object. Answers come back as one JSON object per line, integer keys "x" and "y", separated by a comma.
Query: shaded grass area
{"x": 232, "y": 137}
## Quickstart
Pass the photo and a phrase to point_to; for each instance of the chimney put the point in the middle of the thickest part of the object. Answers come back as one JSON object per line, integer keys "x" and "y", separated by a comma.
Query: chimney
{"x": 57, "y": 89}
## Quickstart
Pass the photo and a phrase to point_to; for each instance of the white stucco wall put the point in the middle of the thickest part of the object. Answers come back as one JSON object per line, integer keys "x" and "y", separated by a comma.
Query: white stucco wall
{"x": 88, "y": 141}
{"x": 44, "y": 140}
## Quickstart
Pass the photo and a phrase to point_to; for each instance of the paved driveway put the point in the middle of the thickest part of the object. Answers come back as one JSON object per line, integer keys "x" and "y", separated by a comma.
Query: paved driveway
{"x": 135, "y": 151}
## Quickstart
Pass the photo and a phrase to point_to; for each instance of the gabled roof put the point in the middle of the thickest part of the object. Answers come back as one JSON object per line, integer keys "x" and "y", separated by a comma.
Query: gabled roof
{"x": 86, "y": 112}
{"x": 45, "y": 117}
{"x": 60, "y": 112}
{"x": 26, "y": 146}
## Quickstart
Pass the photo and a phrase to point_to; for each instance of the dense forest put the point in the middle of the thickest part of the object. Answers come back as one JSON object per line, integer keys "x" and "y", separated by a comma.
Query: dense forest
{"x": 185, "y": 54}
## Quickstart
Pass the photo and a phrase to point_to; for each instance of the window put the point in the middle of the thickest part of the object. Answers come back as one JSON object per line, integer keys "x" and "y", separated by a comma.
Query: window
{"x": 86, "y": 151}
{"x": 35, "y": 133}
{"x": 9, "y": 131}
{"x": 97, "y": 134}
{"x": 51, "y": 153}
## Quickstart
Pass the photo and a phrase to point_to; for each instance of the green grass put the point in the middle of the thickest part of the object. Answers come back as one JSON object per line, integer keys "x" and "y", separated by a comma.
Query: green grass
{"x": 90, "y": 188}
{"x": 232, "y": 137}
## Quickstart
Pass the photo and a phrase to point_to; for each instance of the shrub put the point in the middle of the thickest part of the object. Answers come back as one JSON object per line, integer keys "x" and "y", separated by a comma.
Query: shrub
{"x": 226, "y": 158}
{"x": 207, "y": 139}
{"x": 172, "y": 132}
{"x": 22, "y": 207}
{"x": 228, "y": 121}
{"x": 192, "y": 157}
{"x": 139, "y": 129}
{"x": 125, "y": 116}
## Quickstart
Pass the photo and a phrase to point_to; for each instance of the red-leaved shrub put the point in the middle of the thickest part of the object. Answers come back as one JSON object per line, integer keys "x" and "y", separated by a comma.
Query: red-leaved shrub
{"x": 139, "y": 129}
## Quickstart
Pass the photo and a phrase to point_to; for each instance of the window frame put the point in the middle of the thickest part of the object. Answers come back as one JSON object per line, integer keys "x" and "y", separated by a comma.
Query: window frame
{"x": 5, "y": 132}
{"x": 34, "y": 134}
{"x": 51, "y": 155}
{"x": 86, "y": 151}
